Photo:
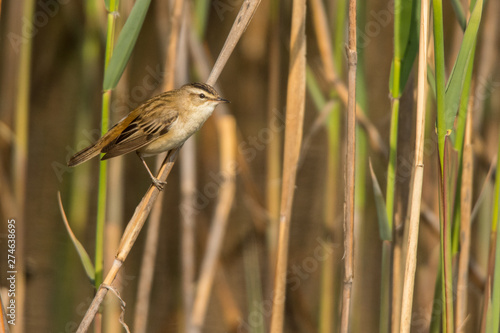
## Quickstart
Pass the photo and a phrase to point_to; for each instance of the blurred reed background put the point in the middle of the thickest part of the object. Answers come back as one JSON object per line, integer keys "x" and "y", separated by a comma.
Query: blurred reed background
{"x": 207, "y": 256}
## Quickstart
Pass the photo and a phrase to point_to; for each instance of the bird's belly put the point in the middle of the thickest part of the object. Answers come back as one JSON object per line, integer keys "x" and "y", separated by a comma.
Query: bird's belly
{"x": 174, "y": 138}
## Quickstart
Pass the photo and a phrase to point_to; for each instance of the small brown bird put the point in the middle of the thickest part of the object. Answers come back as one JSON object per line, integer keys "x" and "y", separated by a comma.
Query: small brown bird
{"x": 162, "y": 123}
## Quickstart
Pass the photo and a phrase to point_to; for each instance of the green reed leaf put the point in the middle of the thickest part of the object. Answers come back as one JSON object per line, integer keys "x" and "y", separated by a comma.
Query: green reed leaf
{"x": 457, "y": 77}
{"x": 82, "y": 253}
{"x": 409, "y": 37}
{"x": 125, "y": 44}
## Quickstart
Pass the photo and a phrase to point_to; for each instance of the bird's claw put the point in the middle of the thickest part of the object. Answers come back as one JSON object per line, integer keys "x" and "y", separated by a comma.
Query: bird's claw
{"x": 158, "y": 183}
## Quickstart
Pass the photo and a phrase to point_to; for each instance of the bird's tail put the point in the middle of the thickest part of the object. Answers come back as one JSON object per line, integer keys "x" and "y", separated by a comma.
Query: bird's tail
{"x": 85, "y": 154}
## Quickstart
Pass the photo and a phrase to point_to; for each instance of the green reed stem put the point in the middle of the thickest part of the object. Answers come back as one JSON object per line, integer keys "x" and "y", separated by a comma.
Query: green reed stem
{"x": 442, "y": 132}
{"x": 102, "y": 187}
{"x": 440, "y": 76}
{"x": 385, "y": 287}
{"x": 20, "y": 157}
{"x": 494, "y": 319}
{"x": 459, "y": 146}
{"x": 201, "y": 11}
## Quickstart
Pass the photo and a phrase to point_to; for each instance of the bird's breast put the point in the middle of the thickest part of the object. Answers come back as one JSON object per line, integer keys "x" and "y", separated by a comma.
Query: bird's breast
{"x": 180, "y": 131}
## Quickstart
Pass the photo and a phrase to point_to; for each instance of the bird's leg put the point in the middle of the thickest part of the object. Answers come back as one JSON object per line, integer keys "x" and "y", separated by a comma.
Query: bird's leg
{"x": 156, "y": 182}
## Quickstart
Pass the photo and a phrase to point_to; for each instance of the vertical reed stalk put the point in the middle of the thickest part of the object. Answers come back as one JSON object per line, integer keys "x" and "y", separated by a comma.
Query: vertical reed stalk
{"x": 117, "y": 186}
{"x": 417, "y": 177}
{"x": 188, "y": 214}
{"x": 327, "y": 305}
{"x": 227, "y": 139}
{"x": 494, "y": 322}
{"x": 103, "y": 165}
{"x": 326, "y": 318}
{"x": 332, "y": 66}
{"x": 465, "y": 221}
{"x": 293, "y": 140}
{"x": 4, "y": 325}
{"x": 151, "y": 245}
{"x": 493, "y": 276}
{"x": 393, "y": 139}
{"x": 387, "y": 248}
{"x": 80, "y": 196}
{"x": 273, "y": 160}
{"x": 327, "y": 300}
{"x": 350, "y": 166}
{"x": 440, "y": 74}
{"x": 228, "y": 304}
{"x": 463, "y": 198}
{"x": 253, "y": 287}
{"x": 332, "y": 265}
{"x": 102, "y": 187}
{"x": 446, "y": 287}
{"x": 488, "y": 54}
{"x": 20, "y": 161}
{"x": 188, "y": 181}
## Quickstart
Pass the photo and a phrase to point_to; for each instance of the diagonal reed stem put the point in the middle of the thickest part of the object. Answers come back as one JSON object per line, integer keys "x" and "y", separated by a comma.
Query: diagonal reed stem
{"x": 144, "y": 208}
{"x": 128, "y": 239}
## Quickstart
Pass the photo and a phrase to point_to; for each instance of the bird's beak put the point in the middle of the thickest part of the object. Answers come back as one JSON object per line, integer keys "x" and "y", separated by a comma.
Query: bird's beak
{"x": 222, "y": 100}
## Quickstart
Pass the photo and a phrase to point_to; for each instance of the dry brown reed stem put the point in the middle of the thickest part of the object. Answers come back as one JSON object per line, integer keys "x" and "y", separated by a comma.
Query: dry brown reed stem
{"x": 113, "y": 230}
{"x": 230, "y": 310}
{"x": 397, "y": 276}
{"x": 128, "y": 239}
{"x": 149, "y": 255}
{"x": 188, "y": 190}
{"x": 173, "y": 43}
{"x": 323, "y": 38}
{"x": 273, "y": 151}
{"x": 226, "y": 127}
{"x": 350, "y": 167}
{"x": 7, "y": 202}
{"x": 326, "y": 52}
{"x": 465, "y": 221}
{"x": 4, "y": 326}
{"x": 188, "y": 250}
{"x": 240, "y": 24}
{"x": 295, "y": 104}
{"x": 200, "y": 59}
{"x": 417, "y": 177}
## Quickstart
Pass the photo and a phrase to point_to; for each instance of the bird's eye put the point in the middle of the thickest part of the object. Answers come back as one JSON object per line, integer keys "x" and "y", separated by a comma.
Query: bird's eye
{"x": 202, "y": 96}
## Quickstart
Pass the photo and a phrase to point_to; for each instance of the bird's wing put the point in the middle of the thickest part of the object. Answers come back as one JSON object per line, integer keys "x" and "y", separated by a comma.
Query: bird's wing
{"x": 142, "y": 130}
